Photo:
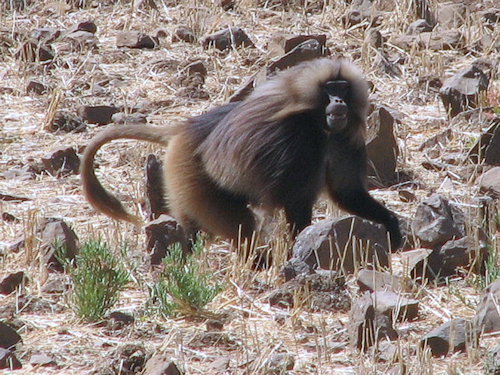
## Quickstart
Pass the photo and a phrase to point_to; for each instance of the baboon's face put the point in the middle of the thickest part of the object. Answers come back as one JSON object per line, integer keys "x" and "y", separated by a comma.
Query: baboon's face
{"x": 337, "y": 110}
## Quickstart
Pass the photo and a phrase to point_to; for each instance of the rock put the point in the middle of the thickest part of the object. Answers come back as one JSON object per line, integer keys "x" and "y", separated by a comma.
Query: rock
{"x": 154, "y": 187}
{"x": 158, "y": 365}
{"x": 67, "y": 122}
{"x": 451, "y": 14}
{"x": 406, "y": 196}
{"x": 419, "y": 26}
{"x": 437, "y": 141}
{"x": 328, "y": 244}
{"x": 279, "y": 363}
{"x": 117, "y": 320}
{"x": 55, "y": 285}
{"x": 487, "y": 317}
{"x": 295, "y": 267}
{"x": 477, "y": 152}
{"x": 8, "y": 336}
{"x": 42, "y": 360}
{"x": 308, "y": 50}
{"x": 56, "y": 231}
{"x": 45, "y": 35}
{"x": 162, "y": 233}
{"x": 461, "y": 91}
{"x": 99, "y": 114}
{"x": 437, "y": 221}
{"x": 492, "y": 154}
{"x": 8, "y": 360}
{"x": 9, "y": 218}
{"x": 361, "y": 11}
{"x": 227, "y": 4}
{"x": 136, "y": 39}
{"x": 62, "y": 162}
{"x": 493, "y": 362}
{"x": 282, "y": 44}
{"x": 36, "y": 87}
{"x": 220, "y": 365}
{"x": 133, "y": 118}
{"x": 361, "y": 322}
{"x": 11, "y": 282}
{"x": 184, "y": 34}
{"x": 372, "y": 280}
{"x": 444, "y": 40}
{"x": 453, "y": 336}
{"x": 489, "y": 182}
{"x": 88, "y": 26}
{"x": 320, "y": 291}
{"x": 394, "y": 305}
{"x": 32, "y": 51}
{"x": 366, "y": 326}
{"x": 413, "y": 261}
{"x": 81, "y": 41}
{"x": 129, "y": 359}
{"x": 228, "y": 38}
{"x": 462, "y": 252}
{"x": 382, "y": 149}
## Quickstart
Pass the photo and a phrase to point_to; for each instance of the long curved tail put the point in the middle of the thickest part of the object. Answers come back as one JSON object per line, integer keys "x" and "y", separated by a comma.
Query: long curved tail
{"x": 95, "y": 193}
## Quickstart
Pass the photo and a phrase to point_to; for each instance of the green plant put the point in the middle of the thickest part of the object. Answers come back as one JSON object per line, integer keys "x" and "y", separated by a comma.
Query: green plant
{"x": 184, "y": 287}
{"x": 97, "y": 278}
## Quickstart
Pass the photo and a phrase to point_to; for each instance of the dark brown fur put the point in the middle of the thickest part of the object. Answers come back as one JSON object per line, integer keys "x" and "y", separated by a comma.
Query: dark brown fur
{"x": 270, "y": 150}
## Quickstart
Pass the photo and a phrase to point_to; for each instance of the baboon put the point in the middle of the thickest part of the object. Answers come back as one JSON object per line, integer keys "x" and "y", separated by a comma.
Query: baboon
{"x": 296, "y": 135}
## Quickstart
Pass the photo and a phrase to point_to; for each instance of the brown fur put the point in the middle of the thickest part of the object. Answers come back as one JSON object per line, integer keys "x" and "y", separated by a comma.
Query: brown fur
{"x": 269, "y": 150}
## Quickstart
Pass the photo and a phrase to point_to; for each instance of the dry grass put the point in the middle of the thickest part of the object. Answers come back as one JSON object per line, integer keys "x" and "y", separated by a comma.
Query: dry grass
{"x": 317, "y": 341}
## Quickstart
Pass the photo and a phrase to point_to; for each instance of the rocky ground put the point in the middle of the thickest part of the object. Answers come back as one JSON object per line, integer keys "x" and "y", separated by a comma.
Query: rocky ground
{"x": 68, "y": 69}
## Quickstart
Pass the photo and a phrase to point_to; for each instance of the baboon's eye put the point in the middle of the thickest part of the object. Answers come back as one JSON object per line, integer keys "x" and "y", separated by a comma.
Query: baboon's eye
{"x": 337, "y": 88}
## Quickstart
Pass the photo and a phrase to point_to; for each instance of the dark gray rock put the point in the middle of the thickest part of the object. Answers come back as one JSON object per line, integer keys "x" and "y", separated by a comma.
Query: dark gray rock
{"x": 463, "y": 252}
{"x": 323, "y": 290}
{"x": 11, "y": 282}
{"x": 437, "y": 221}
{"x": 456, "y": 335}
{"x": 67, "y": 122}
{"x": 43, "y": 360}
{"x": 62, "y": 162}
{"x": 419, "y": 26}
{"x": 159, "y": 365}
{"x": 493, "y": 362}
{"x": 328, "y": 244}
{"x": 32, "y": 51}
{"x": 461, "y": 91}
{"x": 477, "y": 152}
{"x": 99, "y": 114}
{"x": 382, "y": 149}
{"x": 451, "y": 14}
{"x": 492, "y": 154}
{"x": 162, "y": 233}
{"x": 372, "y": 280}
{"x": 489, "y": 182}
{"x": 55, "y": 231}
{"x": 184, "y": 34}
{"x": 280, "y": 363}
{"x": 487, "y": 318}
{"x": 8, "y": 360}
{"x": 8, "y": 336}
{"x": 366, "y": 325}
{"x": 136, "y": 39}
{"x": 228, "y": 38}
{"x": 394, "y": 305}
{"x": 37, "y": 88}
